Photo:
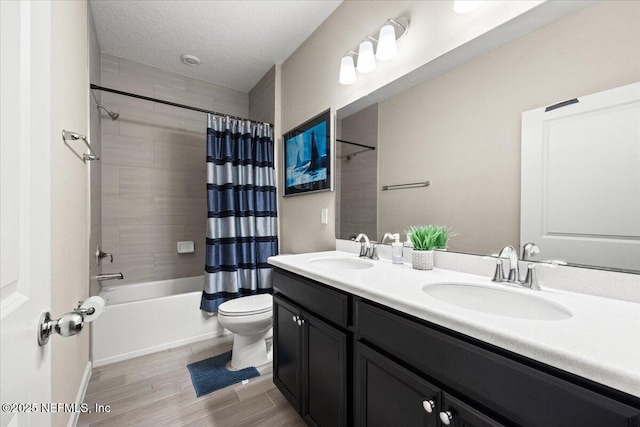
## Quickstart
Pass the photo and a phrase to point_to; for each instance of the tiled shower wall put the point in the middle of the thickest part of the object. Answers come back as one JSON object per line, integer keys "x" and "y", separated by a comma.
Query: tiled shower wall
{"x": 358, "y": 176}
{"x": 154, "y": 170}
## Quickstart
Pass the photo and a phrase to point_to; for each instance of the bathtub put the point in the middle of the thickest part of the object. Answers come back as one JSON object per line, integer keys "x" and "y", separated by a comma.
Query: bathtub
{"x": 148, "y": 317}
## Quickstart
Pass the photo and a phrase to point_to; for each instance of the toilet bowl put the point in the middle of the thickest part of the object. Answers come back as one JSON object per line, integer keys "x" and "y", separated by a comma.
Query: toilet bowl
{"x": 250, "y": 319}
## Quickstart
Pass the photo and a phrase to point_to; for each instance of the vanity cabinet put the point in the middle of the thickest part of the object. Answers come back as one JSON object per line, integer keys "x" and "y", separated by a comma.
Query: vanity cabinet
{"x": 310, "y": 352}
{"x": 343, "y": 360}
{"x": 386, "y": 394}
{"x": 490, "y": 385}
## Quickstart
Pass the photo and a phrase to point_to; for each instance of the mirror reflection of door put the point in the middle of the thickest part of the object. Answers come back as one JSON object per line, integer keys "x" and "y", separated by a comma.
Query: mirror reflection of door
{"x": 581, "y": 179}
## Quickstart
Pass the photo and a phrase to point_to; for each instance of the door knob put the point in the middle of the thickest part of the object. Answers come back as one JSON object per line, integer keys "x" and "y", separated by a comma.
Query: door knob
{"x": 71, "y": 323}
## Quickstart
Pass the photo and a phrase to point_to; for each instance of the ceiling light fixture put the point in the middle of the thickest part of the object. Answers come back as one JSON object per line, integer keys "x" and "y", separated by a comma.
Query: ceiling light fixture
{"x": 464, "y": 6}
{"x": 190, "y": 59}
{"x": 386, "y": 49}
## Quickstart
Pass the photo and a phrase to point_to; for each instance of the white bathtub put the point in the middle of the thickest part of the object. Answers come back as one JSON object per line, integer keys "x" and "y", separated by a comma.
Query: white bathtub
{"x": 148, "y": 317}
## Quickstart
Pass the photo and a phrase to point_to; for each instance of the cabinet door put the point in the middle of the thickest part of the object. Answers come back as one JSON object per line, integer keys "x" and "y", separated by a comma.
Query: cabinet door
{"x": 458, "y": 414}
{"x": 388, "y": 395}
{"x": 287, "y": 345}
{"x": 324, "y": 374}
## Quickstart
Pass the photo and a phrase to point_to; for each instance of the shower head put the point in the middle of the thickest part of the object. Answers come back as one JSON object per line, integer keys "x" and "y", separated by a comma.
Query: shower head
{"x": 110, "y": 113}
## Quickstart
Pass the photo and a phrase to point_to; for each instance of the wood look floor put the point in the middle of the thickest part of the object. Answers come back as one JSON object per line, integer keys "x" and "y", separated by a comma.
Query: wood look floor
{"x": 156, "y": 390}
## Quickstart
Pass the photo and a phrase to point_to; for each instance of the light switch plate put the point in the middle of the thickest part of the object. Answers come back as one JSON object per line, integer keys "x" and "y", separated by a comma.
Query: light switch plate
{"x": 324, "y": 216}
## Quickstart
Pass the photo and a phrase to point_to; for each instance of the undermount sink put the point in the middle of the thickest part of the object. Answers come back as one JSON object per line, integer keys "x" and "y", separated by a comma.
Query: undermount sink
{"x": 497, "y": 301}
{"x": 342, "y": 263}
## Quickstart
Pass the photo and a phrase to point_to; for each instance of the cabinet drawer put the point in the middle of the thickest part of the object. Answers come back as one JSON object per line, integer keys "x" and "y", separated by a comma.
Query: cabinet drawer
{"x": 314, "y": 297}
{"x": 517, "y": 392}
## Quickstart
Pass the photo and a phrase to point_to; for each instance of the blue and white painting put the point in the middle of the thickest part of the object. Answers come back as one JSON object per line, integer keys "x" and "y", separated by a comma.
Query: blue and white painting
{"x": 307, "y": 159}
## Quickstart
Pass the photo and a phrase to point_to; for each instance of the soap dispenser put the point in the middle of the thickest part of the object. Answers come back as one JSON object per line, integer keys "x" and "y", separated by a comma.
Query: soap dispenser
{"x": 396, "y": 250}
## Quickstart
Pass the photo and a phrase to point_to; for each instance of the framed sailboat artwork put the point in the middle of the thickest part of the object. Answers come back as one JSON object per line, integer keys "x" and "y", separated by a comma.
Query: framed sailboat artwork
{"x": 307, "y": 156}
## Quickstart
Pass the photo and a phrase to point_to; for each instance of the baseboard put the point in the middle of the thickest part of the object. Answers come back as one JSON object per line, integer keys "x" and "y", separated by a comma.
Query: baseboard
{"x": 155, "y": 349}
{"x": 82, "y": 390}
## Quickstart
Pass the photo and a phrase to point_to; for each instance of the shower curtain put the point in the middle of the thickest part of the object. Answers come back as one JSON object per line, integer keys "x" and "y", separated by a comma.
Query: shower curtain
{"x": 241, "y": 204}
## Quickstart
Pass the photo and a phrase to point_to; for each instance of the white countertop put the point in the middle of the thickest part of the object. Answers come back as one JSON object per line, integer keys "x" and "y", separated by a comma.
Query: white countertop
{"x": 601, "y": 341}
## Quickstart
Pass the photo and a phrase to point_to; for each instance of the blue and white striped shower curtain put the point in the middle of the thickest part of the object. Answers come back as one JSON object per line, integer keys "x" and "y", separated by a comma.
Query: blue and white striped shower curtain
{"x": 241, "y": 204}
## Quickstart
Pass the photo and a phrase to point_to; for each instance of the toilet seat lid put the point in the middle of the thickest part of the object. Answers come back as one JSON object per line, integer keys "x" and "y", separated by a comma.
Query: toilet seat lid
{"x": 254, "y": 304}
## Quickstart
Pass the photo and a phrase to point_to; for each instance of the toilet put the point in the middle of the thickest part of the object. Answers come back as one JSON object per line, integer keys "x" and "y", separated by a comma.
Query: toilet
{"x": 250, "y": 319}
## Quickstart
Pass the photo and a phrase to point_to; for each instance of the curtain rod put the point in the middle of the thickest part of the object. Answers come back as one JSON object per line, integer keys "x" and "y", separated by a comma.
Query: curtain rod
{"x": 173, "y": 104}
{"x": 355, "y": 143}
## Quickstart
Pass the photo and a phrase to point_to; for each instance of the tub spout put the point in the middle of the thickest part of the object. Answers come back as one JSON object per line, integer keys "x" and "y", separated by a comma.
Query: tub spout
{"x": 109, "y": 276}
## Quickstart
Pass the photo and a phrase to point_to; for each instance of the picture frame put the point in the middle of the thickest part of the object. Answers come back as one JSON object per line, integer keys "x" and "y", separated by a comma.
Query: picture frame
{"x": 307, "y": 156}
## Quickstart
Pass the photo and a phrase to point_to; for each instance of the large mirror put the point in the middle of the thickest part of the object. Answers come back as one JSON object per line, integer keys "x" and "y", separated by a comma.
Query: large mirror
{"x": 461, "y": 130}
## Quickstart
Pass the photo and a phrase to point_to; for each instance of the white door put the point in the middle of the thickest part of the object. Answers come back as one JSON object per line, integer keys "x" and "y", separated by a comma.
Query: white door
{"x": 581, "y": 180}
{"x": 25, "y": 241}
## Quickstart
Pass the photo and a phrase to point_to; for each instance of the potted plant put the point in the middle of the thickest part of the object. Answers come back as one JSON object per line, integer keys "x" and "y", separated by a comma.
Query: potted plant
{"x": 424, "y": 239}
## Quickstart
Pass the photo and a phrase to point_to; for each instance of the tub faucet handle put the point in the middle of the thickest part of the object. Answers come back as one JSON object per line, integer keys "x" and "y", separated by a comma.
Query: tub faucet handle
{"x": 100, "y": 255}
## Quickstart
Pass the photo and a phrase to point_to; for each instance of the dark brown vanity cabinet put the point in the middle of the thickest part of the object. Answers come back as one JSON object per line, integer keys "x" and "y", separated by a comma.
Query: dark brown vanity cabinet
{"x": 387, "y": 394}
{"x": 310, "y": 354}
{"x": 342, "y": 360}
{"x": 490, "y": 386}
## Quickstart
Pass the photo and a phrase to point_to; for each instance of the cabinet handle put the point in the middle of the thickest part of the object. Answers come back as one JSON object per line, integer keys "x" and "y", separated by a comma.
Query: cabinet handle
{"x": 446, "y": 417}
{"x": 300, "y": 321}
{"x": 429, "y": 405}
{"x": 295, "y": 319}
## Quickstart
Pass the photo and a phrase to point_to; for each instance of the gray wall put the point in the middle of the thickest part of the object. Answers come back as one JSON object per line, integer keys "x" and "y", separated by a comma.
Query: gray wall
{"x": 262, "y": 98}
{"x": 309, "y": 83}
{"x": 153, "y": 169}
{"x": 70, "y": 222}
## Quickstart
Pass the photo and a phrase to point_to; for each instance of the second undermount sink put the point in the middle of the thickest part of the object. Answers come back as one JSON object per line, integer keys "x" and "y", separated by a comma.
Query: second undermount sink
{"x": 342, "y": 263}
{"x": 501, "y": 302}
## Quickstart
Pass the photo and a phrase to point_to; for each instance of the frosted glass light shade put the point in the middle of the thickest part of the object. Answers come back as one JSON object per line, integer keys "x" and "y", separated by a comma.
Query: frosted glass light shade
{"x": 366, "y": 59}
{"x": 464, "y": 6}
{"x": 387, "y": 48}
{"x": 347, "y": 70}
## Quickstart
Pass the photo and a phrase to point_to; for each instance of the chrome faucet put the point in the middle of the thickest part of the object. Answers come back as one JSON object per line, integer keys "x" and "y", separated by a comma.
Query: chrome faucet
{"x": 109, "y": 276}
{"x": 528, "y": 250}
{"x": 368, "y": 248}
{"x": 514, "y": 270}
{"x": 530, "y": 280}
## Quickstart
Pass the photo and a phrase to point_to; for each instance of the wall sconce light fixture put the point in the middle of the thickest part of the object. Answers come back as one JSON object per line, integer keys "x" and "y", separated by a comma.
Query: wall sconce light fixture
{"x": 347, "y": 69}
{"x": 386, "y": 49}
{"x": 366, "y": 58}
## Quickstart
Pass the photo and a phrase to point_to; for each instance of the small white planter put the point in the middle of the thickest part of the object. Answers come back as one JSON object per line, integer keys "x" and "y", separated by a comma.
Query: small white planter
{"x": 422, "y": 260}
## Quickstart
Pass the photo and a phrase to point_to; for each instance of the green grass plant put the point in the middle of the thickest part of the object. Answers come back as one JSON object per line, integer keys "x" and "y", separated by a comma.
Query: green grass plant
{"x": 429, "y": 237}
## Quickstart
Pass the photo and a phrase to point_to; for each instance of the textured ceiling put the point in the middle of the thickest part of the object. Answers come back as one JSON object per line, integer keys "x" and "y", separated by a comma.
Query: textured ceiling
{"x": 237, "y": 41}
